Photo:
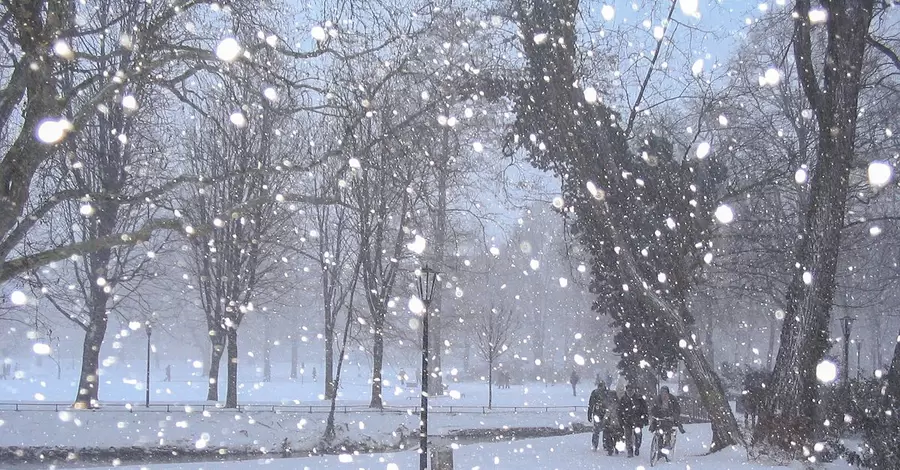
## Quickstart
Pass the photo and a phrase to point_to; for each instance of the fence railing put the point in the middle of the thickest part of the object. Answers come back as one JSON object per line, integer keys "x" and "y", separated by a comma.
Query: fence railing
{"x": 287, "y": 408}
{"x": 691, "y": 409}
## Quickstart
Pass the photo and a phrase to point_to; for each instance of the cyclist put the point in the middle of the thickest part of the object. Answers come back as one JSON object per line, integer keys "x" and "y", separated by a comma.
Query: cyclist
{"x": 666, "y": 416}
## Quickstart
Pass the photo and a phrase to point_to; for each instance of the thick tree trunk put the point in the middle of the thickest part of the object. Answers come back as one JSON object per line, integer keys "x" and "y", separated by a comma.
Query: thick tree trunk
{"x": 712, "y": 396}
{"x": 377, "y": 359}
{"x": 218, "y": 348}
{"x": 231, "y": 398}
{"x": 786, "y": 419}
{"x": 88, "y": 392}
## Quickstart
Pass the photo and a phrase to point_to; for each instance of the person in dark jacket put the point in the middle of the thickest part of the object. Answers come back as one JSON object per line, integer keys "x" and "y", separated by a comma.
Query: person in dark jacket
{"x": 573, "y": 379}
{"x": 633, "y": 414}
{"x": 613, "y": 432}
{"x": 597, "y": 412}
{"x": 666, "y": 413}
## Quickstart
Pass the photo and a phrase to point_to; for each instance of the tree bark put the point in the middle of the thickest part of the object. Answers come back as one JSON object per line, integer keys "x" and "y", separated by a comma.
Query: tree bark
{"x": 786, "y": 418}
{"x": 218, "y": 348}
{"x": 377, "y": 359}
{"x": 490, "y": 383}
{"x": 88, "y": 384}
{"x": 329, "y": 353}
{"x": 231, "y": 398}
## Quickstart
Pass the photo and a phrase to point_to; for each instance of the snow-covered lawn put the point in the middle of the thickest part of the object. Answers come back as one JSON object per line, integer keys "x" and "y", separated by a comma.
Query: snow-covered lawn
{"x": 124, "y": 383}
{"x": 261, "y": 430}
{"x": 564, "y": 453}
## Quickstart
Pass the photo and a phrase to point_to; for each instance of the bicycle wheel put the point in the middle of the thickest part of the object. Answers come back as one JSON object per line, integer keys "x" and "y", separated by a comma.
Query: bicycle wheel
{"x": 655, "y": 444}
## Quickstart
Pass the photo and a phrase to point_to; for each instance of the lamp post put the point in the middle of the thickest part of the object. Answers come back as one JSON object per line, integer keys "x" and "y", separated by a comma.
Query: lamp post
{"x": 426, "y": 283}
{"x": 858, "y": 355}
{"x": 846, "y": 324}
{"x": 147, "y": 384}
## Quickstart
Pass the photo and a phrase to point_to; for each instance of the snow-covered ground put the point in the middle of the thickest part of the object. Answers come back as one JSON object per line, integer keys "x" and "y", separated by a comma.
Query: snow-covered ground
{"x": 258, "y": 429}
{"x": 565, "y": 453}
{"x": 124, "y": 383}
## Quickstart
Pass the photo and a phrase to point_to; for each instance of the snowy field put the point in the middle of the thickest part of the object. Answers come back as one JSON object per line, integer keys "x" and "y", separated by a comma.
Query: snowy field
{"x": 124, "y": 383}
{"x": 191, "y": 422}
{"x": 564, "y": 453}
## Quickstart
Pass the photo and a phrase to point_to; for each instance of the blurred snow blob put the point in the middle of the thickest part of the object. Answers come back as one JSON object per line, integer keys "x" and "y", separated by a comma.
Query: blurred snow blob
{"x": 880, "y": 173}
{"x": 724, "y": 214}
{"x": 418, "y": 245}
{"x": 826, "y": 371}
{"x": 318, "y": 33}
{"x": 608, "y": 12}
{"x": 229, "y": 49}
{"x": 51, "y": 131}
{"x": 18, "y": 298}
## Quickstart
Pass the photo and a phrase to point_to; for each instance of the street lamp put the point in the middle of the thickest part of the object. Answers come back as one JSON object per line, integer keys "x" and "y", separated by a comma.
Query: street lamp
{"x": 846, "y": 324}
{"x": 858, "y": 354}
{"x": 149, "y": 330}
{"x": 427, "y": 280}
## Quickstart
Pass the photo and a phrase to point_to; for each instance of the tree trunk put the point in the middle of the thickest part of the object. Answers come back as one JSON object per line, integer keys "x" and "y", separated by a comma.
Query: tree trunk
{"x": 377, "y": 358}
{"x": 294, "y": 347}
{"x": 329, "y": 358}
{"x": 712, "y": 396}
{"x": 490, "y": 383}
{"x": 788, "y": 408}
{"x": 88, "y": 392}
{"x": 218, "y": 348}
{"x": 267, "y": 355}
{"x": 893, "y": 378}
{"x": 231, "y": 398}
{"x": 770, "y": 353}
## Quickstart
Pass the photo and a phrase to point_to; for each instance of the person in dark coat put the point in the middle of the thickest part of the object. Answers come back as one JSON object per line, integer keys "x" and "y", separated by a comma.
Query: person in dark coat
{"x": 573, "y": 379}
{"x": 597, "y": 412}
{"x": 612, "y": 425}
{"x": 633, "y": 414}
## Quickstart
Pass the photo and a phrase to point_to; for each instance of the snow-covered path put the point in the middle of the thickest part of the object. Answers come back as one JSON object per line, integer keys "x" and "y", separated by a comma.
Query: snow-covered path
{"x": 563, "y": 453}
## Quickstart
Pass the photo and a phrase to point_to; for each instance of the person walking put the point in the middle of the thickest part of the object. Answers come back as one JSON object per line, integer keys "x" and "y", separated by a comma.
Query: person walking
{"x": 573, "y": 379}
{"x": 633, "y": 413}
{"x": 613, "y": 433}
{"x": 597, "y": 412}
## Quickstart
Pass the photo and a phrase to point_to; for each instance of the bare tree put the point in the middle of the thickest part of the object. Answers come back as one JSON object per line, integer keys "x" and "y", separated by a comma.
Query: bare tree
{"x": 493, "y": 329}
{"x": 790, "y": 403}
{"x": 239, "y": 258}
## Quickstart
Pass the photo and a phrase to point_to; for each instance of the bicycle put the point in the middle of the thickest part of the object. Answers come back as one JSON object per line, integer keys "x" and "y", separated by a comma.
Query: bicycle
{"x": 664, "y": 434}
